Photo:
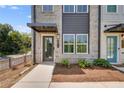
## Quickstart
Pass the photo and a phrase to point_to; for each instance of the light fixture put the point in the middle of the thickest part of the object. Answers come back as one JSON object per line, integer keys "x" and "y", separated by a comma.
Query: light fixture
{"x": 58, "y": 37}
{"x": 122, "y": 35}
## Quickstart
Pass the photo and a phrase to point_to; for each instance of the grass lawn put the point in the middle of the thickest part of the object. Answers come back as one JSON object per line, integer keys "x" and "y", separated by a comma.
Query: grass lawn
{"x": 77, "y": 74}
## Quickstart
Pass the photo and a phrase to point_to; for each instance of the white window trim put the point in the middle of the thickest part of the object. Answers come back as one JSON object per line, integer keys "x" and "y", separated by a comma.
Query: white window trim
{"x": 74, "y": 43}
{"x": 48, "y": 12}
{"x": 68, "y": 12}
{"x": 82, "y": 12}
{"x": 86, "y": 44}
{"x": 112, "y": 12}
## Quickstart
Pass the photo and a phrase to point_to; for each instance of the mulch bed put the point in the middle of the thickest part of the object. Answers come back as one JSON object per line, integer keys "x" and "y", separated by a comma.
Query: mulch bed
{"x": 10, "y": 76}
{"x": 77, "y": 74}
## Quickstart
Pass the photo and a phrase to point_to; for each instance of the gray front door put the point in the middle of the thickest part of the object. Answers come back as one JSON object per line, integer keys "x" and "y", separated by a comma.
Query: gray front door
{"x": 48, "y": 49}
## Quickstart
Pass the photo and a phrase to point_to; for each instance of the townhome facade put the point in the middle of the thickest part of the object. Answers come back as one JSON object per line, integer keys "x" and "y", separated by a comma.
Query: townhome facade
{"x": 68, "y": 31}
{"x": 112, "y": 33}
{"x": 77, "y": 32}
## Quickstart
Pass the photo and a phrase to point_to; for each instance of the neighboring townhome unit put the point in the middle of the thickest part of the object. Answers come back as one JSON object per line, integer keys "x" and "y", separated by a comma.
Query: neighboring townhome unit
{"x": 68, "y": 31}
{"x": 112, "y": 33}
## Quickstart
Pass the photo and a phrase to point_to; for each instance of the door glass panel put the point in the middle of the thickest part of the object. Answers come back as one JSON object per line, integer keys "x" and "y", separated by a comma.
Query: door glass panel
{"x": 112, "y": 48}
{"x": 108, "y": 48}
{"x": 48, "y": 48}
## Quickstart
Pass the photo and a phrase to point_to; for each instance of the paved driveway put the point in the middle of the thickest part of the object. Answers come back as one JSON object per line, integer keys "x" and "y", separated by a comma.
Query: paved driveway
{"x": 39, "y": 77}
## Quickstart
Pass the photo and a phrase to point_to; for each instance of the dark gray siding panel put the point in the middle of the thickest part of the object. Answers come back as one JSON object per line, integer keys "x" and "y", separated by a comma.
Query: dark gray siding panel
{"x": 75, "y": 23}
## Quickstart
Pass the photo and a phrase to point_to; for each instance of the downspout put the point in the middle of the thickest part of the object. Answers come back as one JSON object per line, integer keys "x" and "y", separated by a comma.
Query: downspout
{"x": 99, "y": 30}
{"x": 34, "y": 34}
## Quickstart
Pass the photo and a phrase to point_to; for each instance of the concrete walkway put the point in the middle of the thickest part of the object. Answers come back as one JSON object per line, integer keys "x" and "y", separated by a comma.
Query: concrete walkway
{"x": 87, "y": 85}
{"x": 39, "y": 77}
{"x": 119, "y": 68}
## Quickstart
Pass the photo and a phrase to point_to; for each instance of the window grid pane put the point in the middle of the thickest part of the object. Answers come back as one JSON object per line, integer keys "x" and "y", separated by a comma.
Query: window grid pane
{"x": 68, "y": 43}
{"x": 69, "y": 8}
{"x": 111, "y": 8}
{"x": 82, "y": 8}
{"x": 82, "y": 44}
{"x": 47, "y": 8}
{"x": 68, "y": 48}
{"x": 81, "y": 48}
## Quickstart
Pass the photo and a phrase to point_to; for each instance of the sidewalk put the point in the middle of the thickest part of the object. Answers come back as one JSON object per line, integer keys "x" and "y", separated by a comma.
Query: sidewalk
{"x": 87, "y": 85}
{"x": 39, "y": 77}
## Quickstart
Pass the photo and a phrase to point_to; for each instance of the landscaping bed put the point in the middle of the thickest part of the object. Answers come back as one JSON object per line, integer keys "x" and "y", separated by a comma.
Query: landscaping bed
{"x": 89, "y": 74}
{"x": 11, "y": 76}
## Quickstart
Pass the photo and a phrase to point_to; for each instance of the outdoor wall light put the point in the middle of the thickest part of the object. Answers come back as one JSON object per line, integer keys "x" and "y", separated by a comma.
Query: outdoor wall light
{"x": 122, "y": 35}
{"x": 58, "y": 37}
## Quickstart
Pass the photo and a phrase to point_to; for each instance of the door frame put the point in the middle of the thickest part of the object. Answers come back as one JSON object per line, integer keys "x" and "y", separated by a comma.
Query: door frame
{"x": 43, "y": 48}
{"x": 118, "y": 46}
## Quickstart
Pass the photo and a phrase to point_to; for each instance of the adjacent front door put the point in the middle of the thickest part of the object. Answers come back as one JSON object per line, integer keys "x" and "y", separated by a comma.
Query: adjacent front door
{"x": 112, "y": 49}
{"x": 48, "y": 51}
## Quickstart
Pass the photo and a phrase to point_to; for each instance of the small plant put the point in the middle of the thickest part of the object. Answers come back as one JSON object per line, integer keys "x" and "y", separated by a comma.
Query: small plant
{"x": 102, "y": 63}
{"x": 66, "y": 63}
{"x": 123, "y": 63}
{"x": 84, "y": 63}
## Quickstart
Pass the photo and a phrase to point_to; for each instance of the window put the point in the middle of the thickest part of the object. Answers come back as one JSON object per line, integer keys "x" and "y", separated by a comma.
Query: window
{"x": 68, "y": 43}
{"x": 122, "y": 43}
{"x": 111, "y": 8}
{"x": 68, "y": 8}
{"x": 81, "y": 43}
{"x": 82, "y": 9}
{"x": 47, "y": 8}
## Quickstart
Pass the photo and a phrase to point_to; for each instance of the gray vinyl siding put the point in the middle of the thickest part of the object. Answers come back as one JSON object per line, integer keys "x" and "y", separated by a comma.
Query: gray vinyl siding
{"x": 75, "y": 23}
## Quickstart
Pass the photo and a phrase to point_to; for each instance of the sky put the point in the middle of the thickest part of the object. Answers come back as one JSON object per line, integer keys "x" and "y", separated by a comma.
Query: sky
{"x": 16, "y": 15}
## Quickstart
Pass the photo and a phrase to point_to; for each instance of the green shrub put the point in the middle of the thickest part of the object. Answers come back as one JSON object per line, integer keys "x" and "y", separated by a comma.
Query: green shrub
{"x": 84, "y": 63}
{"x": 65, "y": 62}
{"x": 123, "y": 63}
{"x": 102, "y": 63}
{"x": 2, "y": 55}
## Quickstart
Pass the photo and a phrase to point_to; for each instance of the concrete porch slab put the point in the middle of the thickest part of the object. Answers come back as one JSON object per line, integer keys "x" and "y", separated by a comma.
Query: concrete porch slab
{"x": 119, "y": 68}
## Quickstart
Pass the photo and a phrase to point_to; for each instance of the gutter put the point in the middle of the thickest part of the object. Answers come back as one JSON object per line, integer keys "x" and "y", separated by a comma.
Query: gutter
{"x": 99, "y": 30}
{"x": 34, "y": 34}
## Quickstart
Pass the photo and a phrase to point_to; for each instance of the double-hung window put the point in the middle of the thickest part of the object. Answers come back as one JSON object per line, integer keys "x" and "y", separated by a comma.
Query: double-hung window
{"x": 69, "y": 9}
{"x": 68, "y": 43}
{"x": 47, "y": 8}
{"x": 82, "y": 9}
{"x": 111, "y": 8}
{"x": 82, "y": 43}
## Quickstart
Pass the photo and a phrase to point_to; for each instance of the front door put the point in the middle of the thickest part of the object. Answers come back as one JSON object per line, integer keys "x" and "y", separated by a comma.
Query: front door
{"x": 112, "y": 49}
{"x": 48, "y": 48}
